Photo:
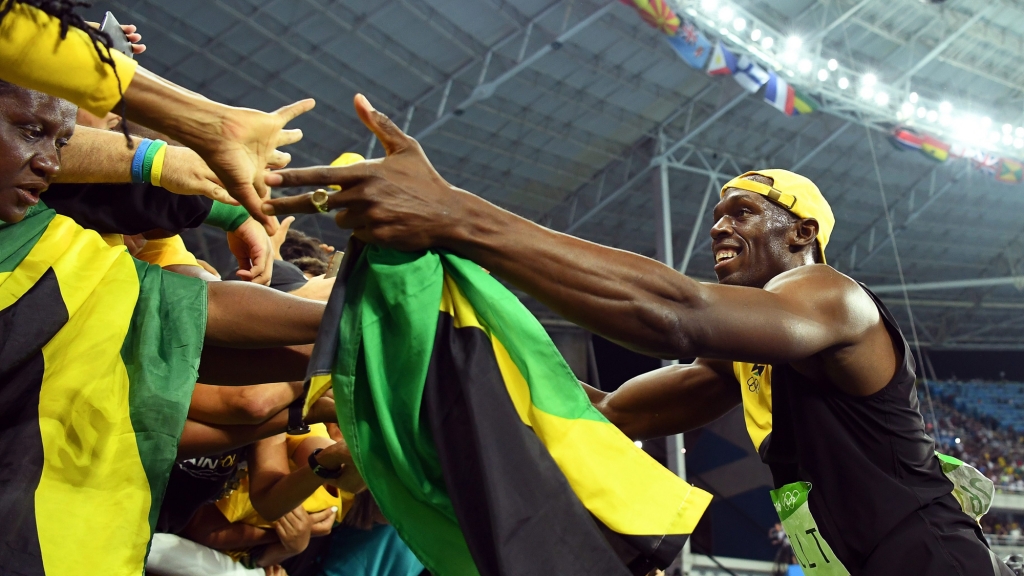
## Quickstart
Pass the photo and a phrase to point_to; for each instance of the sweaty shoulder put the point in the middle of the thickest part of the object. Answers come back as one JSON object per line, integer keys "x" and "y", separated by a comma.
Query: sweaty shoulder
{"x": 832, "y": 295}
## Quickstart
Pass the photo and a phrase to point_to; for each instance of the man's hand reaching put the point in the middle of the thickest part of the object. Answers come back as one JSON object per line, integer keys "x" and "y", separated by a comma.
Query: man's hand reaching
{"x": 398, "y": 201}
{"x": 251, "y": 246}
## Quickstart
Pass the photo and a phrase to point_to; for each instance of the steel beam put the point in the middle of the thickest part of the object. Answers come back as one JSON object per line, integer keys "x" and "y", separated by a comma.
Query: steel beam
{"x": 486, "y": 89}
{"x": 951, "y": 284}
{"x": 831, "y": 138}
{"x": 839, "y": 21}
{"x": 941, "y": 46}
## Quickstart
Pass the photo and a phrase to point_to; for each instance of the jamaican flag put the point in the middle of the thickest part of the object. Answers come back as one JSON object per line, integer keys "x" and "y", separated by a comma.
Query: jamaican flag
{"x": 474, "y": 436}
{"x": 98, "y": 357}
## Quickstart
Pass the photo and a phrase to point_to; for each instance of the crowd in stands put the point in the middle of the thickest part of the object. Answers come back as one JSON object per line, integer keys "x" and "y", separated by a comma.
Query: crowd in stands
{"x": 981, "y": 423}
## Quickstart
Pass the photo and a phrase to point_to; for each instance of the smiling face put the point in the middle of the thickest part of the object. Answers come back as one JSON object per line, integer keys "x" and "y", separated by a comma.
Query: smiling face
{"x": 33, "y": 128}
{"x": 755, "y": 240}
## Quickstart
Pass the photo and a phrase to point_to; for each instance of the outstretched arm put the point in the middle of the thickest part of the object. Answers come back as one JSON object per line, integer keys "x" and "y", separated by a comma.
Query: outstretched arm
{"x": 670, "y": 400}
{"x": 244, "y": 315}
{"x": 401, "y": 201}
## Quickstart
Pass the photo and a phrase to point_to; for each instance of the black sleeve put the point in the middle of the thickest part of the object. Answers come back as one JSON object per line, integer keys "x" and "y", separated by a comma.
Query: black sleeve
{"x": 127, "y": 208}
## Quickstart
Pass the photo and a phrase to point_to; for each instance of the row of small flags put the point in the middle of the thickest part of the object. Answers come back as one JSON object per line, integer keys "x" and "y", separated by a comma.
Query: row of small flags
{"x": 1002, "y": 169}
{"x": 696, "y": 50}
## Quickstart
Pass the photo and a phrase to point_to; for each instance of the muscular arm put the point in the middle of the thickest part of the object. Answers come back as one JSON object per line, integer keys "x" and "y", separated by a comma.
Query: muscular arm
{"x": 245, "y": 315}
{"x": 401, "y": 201}
{"x": 210, "y": 528}
{"x": 242, "y": 405}
{"x": 670, "y": 400}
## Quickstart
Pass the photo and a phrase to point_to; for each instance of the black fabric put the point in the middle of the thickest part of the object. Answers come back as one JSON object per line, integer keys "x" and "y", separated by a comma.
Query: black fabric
{"x": 937, "y": 540}
{"x": 869, "y": 461}
{"x": 514, "y": 506}
{"x": 286, "y": 278}
{"x": 192, "y": 484}
{"x": 25, "y": 327}
{"x": 127, "y": 208}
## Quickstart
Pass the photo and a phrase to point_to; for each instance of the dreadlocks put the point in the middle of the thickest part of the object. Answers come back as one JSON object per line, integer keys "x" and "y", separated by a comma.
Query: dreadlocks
{"x": 65, "y": 11}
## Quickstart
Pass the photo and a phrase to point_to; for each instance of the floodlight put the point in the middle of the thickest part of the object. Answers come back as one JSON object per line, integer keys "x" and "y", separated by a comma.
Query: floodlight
{"x": 725, "y": 14}
{"x": 804, "y": 66}
{"x": 833, "y": 65}
{"x": 767, "y": 42}
{"x": 739, "y": 24}
{"x": 755, "y": 34}
{"x": 843, "y": 83}
{"x": 913, "y": 97}
{"x": 869, "y": 79}
{"x": 822, "y": 75}
{"x": 945, "y": 107}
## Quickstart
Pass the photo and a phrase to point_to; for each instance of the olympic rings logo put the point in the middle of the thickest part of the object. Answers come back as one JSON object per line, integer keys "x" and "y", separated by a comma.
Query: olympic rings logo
{"x": 789, "y": 499}
{"x": 753, "y": 384}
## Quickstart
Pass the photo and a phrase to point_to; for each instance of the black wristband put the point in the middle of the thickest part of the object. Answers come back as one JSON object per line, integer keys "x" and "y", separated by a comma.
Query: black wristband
{"x": 328, "y": 473}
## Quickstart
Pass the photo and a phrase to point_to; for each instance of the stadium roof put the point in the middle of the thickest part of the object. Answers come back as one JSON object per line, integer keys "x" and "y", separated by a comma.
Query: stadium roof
{"x": 565, "y": 111}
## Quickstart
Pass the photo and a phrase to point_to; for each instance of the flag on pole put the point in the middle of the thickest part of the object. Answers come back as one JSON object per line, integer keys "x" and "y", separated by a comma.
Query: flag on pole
{"x": 803, "y": 104}
{"x": 99, "y": 354}
{"x": 904, "y": 139}
{"x": 1009, "y": 171}
{"x": 723, "y": 61}
{"x": 749, "y": 75}
{"x": 657, "y": 14}
{"x": 475, "y": 437}
{"x": 935, "y": 149}
{"x": 987, "y": 163}
{"x": 779, "y": 94}
{"x": 691, "y": 45}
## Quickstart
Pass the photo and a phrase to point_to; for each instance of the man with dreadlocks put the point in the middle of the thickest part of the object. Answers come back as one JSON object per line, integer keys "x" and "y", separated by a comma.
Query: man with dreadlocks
{"x": 46, "y": 46}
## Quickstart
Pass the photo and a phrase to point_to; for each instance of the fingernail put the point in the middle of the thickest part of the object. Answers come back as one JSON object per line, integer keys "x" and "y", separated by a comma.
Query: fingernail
{"x": 334, "y": 508}
{"x": 268, "y": 209}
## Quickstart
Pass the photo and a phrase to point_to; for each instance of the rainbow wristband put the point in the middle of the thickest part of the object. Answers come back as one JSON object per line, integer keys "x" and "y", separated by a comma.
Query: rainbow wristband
{"x": 147, "y": 161}
{"x": 158, "y": 166}
{"x": 139, "y": 159}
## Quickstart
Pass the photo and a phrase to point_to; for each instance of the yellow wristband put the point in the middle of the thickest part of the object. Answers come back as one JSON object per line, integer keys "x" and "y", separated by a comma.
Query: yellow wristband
{"x": 158, "y": 166}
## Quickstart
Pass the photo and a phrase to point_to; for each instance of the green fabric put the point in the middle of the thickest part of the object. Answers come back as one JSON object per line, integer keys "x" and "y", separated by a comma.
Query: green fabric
{"x": 526, "y": 341}
{"x": 380, "y": 391}
{"x": 809, "y": 546}
{"x": 147, "y": 160}
{"x": 17, "y": 241}
{"x": 226, "y": 217}
{"x": 161, "y": 354}
{"x": 972, "y": 489}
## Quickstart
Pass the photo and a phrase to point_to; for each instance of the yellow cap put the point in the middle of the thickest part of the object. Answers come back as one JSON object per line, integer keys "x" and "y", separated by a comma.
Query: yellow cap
{"x": 344, "y": 160}
{"x": 794, "y": 193}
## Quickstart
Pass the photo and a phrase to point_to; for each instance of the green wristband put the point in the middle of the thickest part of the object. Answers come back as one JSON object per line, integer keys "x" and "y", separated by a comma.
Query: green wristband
{"x": 226, "y": 217}
{"x": 147, "y": 162}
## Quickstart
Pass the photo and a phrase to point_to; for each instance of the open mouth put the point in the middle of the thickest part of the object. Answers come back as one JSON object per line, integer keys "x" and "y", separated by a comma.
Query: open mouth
{"x": 724, "y": 255}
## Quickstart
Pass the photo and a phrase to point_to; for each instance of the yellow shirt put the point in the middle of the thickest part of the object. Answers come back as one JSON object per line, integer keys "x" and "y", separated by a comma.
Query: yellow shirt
{"x": 236, "y": 506}
{"x": 33, "y": 55}
{"x": 163, "y": 252}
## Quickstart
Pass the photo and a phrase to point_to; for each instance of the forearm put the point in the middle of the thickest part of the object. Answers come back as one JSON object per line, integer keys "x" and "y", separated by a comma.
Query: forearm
{"x": 245, "y": 315}
{"x": 246, "y": 405}
{"x": 210, "y": 528}
{"x": 622, "y": 296}
{"x": 201, "y": 439}
{"x": 96, "y": 156}
{"x": 280, "y": 496}
{"x": 184, "y": 115}
{"x": 274, "y": 554}
{"x": 243, "y": 367}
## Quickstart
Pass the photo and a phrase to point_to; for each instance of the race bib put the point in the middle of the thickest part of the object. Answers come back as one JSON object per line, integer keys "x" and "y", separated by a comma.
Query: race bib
{"x": 809, "y": 546}
{"x": 971, "y": 488}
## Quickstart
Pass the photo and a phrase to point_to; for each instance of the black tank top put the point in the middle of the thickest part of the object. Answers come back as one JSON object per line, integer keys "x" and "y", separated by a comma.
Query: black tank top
{"x": 868, "y": 459}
